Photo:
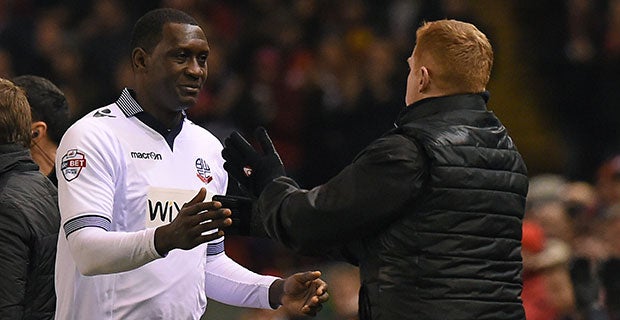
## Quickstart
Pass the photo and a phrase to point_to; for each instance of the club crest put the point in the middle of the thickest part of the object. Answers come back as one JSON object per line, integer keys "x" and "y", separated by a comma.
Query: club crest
{"x": 203, "y": 171}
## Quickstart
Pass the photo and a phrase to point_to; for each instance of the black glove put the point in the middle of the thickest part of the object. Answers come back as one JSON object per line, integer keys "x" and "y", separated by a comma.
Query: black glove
{"x": 251, "y": 169}
{"x": 245, "y": 218}
{"x": 241, "y": 208}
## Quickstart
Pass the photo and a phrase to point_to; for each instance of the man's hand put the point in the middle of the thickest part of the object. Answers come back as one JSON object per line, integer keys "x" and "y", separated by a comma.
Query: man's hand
{"x": 241, "y": 208}
{"x": 253, "y": 170}
{"x": 301, "y": 294}
{"x": 195, "y": 218}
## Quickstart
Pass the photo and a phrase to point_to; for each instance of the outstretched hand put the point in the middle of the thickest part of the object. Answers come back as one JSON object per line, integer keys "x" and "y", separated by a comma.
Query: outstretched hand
{"x": 303, "y": 294}
{"x": 253, "y": 170}
{"x": 197, "y": 222}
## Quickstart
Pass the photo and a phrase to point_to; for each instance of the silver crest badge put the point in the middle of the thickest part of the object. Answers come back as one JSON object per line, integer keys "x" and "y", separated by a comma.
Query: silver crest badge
{"x": 203, "y": 171}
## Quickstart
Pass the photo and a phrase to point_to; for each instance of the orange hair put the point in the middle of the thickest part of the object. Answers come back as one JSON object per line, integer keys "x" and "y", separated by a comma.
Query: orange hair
{"x": 462, "y": 55}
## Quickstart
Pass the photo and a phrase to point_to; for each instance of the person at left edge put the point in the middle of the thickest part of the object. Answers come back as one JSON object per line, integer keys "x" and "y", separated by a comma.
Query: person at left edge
{"x": 124, "y": 172}
{"x": 29, "y": 218}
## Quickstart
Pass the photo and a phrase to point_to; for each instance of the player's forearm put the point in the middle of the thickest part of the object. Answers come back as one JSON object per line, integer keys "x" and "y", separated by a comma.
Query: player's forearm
{"x": 97, "y": 251}
{"x": 230, "y": 283}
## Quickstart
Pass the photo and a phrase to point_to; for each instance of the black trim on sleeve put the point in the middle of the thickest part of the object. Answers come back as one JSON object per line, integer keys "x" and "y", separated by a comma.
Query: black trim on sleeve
{"x": 80, "y": 222}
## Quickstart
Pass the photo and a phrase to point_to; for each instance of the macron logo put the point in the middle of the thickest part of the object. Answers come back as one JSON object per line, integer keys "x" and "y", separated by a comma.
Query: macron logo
{"x": 146, "y": 155}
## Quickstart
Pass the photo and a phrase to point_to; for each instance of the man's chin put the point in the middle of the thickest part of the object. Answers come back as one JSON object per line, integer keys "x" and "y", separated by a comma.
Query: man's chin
{"x": 187, "y": 103}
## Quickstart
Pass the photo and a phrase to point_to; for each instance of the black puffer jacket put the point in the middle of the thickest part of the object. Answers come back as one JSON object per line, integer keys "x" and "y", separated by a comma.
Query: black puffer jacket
{"x": 431, "y": 212}
{"x": 29, "y": 224}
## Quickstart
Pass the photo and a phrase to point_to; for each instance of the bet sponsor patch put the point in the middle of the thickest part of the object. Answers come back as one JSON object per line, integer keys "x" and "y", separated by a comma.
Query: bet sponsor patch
{"x": 72, "y": 164}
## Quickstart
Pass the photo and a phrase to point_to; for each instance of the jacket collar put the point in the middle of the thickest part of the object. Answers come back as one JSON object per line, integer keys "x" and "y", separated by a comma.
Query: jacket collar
{"x": 430, "y": 106}
{"x": 13, "y": 156}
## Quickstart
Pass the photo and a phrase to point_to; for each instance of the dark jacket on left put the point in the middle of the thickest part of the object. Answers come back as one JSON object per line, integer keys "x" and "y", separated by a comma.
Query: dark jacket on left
{"x": 29, "y": 224}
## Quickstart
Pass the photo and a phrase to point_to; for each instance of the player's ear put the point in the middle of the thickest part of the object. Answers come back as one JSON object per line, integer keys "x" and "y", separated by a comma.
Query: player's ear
{"x": 138, "y": 59}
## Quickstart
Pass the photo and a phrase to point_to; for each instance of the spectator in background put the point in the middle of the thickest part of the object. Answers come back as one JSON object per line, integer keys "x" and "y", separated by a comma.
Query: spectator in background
{"x": 608, "y": 181}
{"x": 547, "y": 286}
{"x": 607, "y": 263}
{"x": 570, "y": 212}
{"x": 50, "y": 120}
{"x": 546, "y": 206}
{"x": 608, "y": 269}
{"x": 29, "y": 218}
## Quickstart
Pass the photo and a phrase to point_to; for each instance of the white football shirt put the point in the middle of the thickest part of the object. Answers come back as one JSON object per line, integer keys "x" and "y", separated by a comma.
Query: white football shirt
{"x": 118, "y": 174}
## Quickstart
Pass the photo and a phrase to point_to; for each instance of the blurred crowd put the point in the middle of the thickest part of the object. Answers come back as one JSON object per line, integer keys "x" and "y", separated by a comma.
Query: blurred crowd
{"x": 327, "y": 77}
{"x": 324, "y": 77}
{"x": 575, "y": 47}
{"x": 571, "y": 249}
{"x": 571, "y": 255}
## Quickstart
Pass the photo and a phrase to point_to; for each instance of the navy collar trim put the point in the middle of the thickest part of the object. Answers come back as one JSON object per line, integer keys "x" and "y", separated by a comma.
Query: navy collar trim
{"x": 128, "y": 104}
{"x": 130, "y": 107}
